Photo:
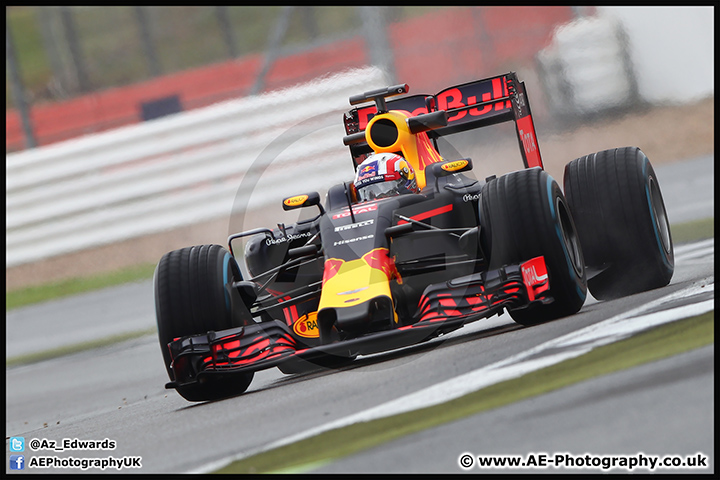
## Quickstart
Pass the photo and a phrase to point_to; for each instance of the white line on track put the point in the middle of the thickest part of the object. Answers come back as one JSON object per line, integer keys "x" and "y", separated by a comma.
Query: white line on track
{"x": 549, "y": 353}
{"x": 694, "y": 246}
{"x": 692, "y": 251}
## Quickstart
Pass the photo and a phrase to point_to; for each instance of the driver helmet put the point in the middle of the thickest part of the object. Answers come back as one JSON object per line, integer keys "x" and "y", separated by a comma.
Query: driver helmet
{"x": 384, "y": 175}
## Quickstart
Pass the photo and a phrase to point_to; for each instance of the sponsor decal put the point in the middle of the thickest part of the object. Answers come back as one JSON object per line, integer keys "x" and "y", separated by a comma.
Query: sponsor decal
{"x": 342, "y": 228}
{"x": 295, "y": 201}
{"x": 535, "y": 276}
{"x": 469, "y": 198}
{"x": 349, "y": 283}
{"x": 332, "y": 267}
{"x": 288, "y": 238}
{"x": 366, "y": 114}
{"x": 371, "y": 207}
{"x": 379, "y": 259}
{"x": 520, "y": 104}
{"x": 353, "y": 240}
{"x": 526, "y": 131}
{"x": 528, "y": 141}
{"x": 531, "y": 276}
{"x": 306, "y": 326}
{"x": 369, "y": 178}
{"x": 460, "y": 97}
{"x": 454, "y": 166}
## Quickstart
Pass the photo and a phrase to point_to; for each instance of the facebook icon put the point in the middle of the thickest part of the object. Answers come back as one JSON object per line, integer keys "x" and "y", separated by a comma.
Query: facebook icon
{"x": 17, "y": 462}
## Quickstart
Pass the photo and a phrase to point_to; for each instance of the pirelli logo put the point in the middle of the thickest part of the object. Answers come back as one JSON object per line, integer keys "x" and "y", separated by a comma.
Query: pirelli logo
{"x": 343, "y": 228}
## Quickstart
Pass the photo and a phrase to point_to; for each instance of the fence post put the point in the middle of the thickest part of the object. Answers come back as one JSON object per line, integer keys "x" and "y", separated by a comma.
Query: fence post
{"x": 83, "y": 82}
{"x": 18, "y": 91}
{"x": 226, "y": 30}
{"x": 310, "y": 21}
{"x": 147, "y": 41}
{"x": 52, "y": 41}
{"x": 374, "y": 26}
{"x": 273, "y": 50}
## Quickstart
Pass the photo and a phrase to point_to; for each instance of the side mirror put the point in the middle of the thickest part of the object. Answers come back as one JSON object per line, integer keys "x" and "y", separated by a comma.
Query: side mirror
{"x": 453, "y": 166}
{"x": 441, "y": 169}
{"x": 305, "y": 200}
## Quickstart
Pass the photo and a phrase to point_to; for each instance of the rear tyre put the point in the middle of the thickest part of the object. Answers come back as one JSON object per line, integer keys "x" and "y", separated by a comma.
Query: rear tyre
{"x": 525, "y": 215}
{"x": 191, "y": 298}
{"x": 621, "y": 220}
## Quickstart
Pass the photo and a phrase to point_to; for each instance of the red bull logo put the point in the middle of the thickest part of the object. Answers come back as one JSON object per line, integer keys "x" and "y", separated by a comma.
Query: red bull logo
{"x": 380, "y": 260}
{"x": 332, "y": 267}
{"x": 351, "y": 282}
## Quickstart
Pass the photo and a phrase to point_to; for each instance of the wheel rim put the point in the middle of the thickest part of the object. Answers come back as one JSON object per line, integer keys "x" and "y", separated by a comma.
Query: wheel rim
{"x": 659, "y": 214}
{"x": 570, "y": 237}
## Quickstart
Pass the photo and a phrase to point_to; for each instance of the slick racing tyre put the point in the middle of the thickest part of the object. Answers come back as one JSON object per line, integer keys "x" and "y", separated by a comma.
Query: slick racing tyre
{"x": 525, "y": 215}
{"x": 191, "y": 298}
{"x": 623, "y": 227}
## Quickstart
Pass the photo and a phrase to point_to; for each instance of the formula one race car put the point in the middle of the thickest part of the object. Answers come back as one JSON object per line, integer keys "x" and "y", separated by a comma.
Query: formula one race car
{"x": 412, "y": 248}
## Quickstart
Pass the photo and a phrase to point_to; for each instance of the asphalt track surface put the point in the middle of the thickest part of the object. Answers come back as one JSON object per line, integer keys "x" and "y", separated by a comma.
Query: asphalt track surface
{"x": 116, "y": 392}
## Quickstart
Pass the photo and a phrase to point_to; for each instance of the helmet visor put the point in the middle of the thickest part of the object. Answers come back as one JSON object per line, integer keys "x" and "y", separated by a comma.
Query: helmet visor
{"x": 379, "y": 190}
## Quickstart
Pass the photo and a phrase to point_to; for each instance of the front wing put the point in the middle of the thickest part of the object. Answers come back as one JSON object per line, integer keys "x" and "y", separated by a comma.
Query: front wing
{"x": 444, "y": 307}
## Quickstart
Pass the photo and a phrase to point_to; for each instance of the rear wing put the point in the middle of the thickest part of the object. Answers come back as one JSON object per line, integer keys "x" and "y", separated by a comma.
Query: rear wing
{"x": 469, "y": 106}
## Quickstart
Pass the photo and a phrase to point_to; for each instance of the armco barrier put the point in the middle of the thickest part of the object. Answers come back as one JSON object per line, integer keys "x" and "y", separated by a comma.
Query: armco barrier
{"x": 177, "y": 170}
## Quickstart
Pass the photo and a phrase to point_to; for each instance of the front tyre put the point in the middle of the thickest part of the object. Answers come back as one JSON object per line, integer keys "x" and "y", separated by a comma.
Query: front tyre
{"x": 622, "y": 223}
{"x": 192, "y": 297}
{"x": 527, "y": 216}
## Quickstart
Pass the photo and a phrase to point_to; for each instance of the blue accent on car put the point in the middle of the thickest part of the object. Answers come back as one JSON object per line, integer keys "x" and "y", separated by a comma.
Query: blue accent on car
{"x": 226, "y": 261}
{"x": 571, "y": 269}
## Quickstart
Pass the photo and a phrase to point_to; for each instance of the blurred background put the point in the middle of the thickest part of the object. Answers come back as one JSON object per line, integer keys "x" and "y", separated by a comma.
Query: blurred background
{"x": 126, "y": 122}
{"x": 76, "y": 70}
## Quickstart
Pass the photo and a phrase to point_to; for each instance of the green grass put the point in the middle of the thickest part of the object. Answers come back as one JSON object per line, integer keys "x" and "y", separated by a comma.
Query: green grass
{"x": 30, "y": 53}
{"x": 693, "y": 231}
{"x": 75, "y": 348}
{"x": 654, "y": 344}
{"x": 685, "y": 232}
{"x": 30, "y": 295}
